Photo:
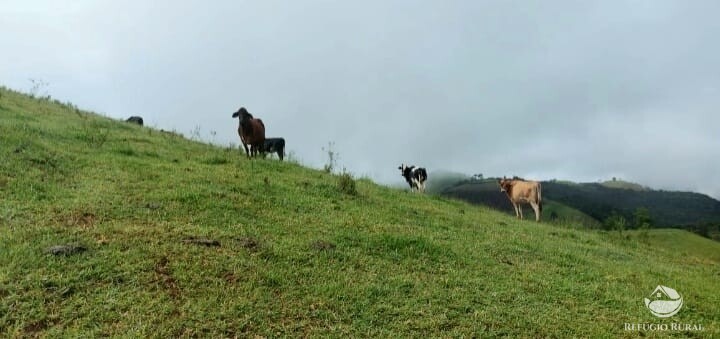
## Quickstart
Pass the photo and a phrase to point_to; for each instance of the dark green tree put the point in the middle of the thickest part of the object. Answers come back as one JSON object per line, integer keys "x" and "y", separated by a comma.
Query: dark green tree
{"x": 641, "y": 218}
{"x": 615, "y": 222}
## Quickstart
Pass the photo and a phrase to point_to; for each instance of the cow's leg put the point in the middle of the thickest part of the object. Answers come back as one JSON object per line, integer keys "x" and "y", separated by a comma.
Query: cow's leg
{"x": 245, "y": 145}
{"x": 536, "y": 208}
{"x": 519, "y": 207}
{"x": 515, "y": 207}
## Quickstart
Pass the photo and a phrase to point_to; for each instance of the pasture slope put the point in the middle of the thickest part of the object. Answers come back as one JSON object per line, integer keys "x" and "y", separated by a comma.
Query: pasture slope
{"x": 294, "y": 255}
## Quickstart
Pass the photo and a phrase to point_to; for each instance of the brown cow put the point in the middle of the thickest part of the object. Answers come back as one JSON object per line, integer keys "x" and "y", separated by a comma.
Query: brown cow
{"x": 251, "y": 131}
{"x": 521, "y": 191}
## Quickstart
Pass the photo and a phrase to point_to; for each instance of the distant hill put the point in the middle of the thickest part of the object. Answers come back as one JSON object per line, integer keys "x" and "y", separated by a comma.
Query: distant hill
{"x": 599, "y": 201}
{"x": 667, "y": 209}
{"x": 439, "y": 180}
{"x": 624, "y": 185}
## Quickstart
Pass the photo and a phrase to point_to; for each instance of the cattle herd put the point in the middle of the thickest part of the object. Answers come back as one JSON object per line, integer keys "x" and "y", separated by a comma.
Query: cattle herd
{"x": 252, "y": 136}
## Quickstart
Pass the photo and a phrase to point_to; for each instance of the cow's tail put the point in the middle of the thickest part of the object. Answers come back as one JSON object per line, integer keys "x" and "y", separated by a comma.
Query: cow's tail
{"x": 539, "y": 197}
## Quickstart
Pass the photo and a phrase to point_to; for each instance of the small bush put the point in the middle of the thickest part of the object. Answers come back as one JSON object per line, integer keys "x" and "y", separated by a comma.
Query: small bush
{"x": 346, "y": 183}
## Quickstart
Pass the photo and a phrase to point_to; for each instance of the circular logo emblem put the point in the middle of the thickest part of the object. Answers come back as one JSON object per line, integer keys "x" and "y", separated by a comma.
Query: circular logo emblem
{"x": 664, "y": 302}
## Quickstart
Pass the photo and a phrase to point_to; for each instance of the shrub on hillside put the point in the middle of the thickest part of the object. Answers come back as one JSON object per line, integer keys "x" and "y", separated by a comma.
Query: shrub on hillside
{"x": 346, "y": 183}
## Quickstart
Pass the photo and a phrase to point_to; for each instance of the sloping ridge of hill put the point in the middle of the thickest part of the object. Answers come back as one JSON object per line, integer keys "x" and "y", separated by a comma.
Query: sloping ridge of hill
{"x": 168, "y": 237}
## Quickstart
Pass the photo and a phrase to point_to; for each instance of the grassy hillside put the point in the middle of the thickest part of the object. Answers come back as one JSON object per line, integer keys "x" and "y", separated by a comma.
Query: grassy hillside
{"x": 187, "y": 239}
{"x": 554, "y": 211}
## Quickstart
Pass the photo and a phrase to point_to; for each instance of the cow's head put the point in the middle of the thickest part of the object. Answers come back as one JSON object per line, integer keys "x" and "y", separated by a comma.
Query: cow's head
{"x": 504, "y": 184}
{"x": 243, "y": 114}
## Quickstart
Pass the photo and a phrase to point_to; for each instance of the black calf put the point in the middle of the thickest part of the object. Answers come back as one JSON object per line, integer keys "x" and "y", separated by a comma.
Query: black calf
{"x": 135, "y": 119}
{"x": 274, "y": 145}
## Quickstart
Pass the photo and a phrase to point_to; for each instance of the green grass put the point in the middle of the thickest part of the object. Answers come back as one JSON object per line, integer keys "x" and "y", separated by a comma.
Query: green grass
{"x": 565, "y": 214}
{"x": 297, "y": 255}
{"x": 674, "y": 241}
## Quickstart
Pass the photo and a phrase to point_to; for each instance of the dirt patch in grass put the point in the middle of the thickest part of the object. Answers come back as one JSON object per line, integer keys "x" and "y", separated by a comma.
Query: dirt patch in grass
{"x": 506, "y": 261}
{"x": 38, "y": 326}
{"x": 231, "y": 278}
{"x": 251, "y": 244}
{"x": 82, "y": 219}
{"x": 322, "y": 245}
{"x": 162, "y": 269}
{"x": 202, "y": 241}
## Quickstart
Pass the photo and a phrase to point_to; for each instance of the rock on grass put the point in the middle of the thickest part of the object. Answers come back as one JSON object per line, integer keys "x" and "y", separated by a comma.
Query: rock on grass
{"x": 68, "y": 249}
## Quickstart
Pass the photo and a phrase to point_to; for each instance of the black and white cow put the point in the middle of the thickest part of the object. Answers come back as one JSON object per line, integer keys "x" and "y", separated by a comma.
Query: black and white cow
{"x": 415, "y": 177}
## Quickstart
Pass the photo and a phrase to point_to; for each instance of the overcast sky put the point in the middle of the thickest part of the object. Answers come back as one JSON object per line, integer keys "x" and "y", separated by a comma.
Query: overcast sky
{"x": 579, "y": 90}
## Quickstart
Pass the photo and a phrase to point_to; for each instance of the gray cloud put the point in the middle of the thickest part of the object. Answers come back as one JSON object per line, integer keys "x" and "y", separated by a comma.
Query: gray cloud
{"x": 577, "y": 90}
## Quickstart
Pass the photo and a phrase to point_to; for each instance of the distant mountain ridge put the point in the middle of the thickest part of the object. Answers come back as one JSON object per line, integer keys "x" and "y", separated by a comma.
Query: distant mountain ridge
{"x": 667, "y": 208}
{"x": 600, "y": 201}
